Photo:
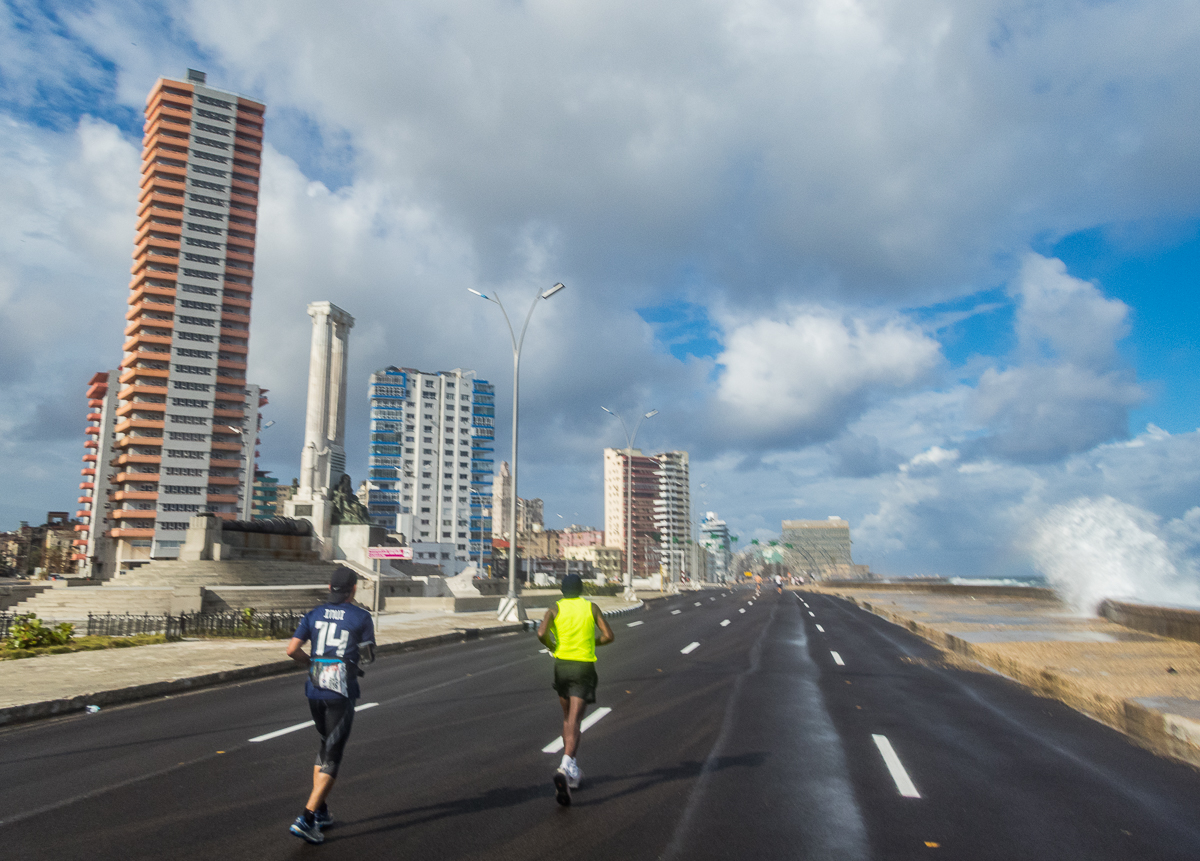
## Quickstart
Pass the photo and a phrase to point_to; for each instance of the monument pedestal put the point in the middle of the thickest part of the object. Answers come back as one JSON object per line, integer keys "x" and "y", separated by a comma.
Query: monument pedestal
{"x": 317, "y": 511}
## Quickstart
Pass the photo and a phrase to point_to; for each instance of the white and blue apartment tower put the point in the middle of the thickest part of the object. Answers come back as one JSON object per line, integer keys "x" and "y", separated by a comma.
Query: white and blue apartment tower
{"x": 430, "y": 468}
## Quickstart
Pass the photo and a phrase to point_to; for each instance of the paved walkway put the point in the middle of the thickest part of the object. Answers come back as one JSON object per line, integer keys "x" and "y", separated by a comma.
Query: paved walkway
{"x": 1144, "y": 685}
{"x": 57, "y": 684}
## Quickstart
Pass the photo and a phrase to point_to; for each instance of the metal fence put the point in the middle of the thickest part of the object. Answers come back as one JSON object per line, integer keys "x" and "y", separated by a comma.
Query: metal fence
{"x": 265, "y": 625}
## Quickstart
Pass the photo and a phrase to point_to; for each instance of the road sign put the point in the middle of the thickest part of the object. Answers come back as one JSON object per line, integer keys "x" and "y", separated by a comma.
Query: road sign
{"x": 389, "y": 553}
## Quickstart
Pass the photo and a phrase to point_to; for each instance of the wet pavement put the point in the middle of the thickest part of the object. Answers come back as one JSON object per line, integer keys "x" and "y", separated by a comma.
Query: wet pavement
{"x": 1146, "y": 685}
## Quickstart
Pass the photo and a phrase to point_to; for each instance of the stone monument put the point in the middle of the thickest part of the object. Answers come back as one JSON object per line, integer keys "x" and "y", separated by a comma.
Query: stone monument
{"x": 323, "y": 458}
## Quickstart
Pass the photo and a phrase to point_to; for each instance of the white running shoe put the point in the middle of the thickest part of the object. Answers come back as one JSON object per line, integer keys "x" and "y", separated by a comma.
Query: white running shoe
{"x": 574, "y": 774}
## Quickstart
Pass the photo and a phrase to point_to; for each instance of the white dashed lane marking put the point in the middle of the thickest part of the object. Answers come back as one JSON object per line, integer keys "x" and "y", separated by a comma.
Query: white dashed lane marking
{"x": 837, "y": 659}
{"x": 903, "y": 782}
{"x": 811, "y": 613}
{"x": 689, "y": 648}
{"x": 634, "y": 624}
{"x": 673, "y": 612}
{"x": 819, "y": 628}
{"x": 741, "y": 609}
{"x": 697, "y": 604}
{"x": 726, "y": 622}
{"x": 299, "y": 726}
{"x": 588, "y": 722}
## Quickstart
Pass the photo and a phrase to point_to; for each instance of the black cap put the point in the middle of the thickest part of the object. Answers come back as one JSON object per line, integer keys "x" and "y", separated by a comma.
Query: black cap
{"x": 341, "y": 582}
{"x": 572, "y": 585}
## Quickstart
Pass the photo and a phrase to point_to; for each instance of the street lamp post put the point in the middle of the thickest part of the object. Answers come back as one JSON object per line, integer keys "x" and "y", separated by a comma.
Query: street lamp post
{"x": 629, "y": 441}
{"x": 510, "y": 607}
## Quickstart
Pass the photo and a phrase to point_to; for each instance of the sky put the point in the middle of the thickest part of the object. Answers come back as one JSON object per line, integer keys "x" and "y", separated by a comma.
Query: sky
{"x": 929, "y": 266}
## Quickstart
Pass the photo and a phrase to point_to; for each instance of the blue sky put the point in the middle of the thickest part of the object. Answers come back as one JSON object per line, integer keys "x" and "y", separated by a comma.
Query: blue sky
{"x": 930, "y": 267}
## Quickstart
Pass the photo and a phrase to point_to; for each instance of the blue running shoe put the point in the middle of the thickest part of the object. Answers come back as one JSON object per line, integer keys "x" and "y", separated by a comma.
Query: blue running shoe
{"x": 323, "y": 820}
{"x": 311, "y": 833}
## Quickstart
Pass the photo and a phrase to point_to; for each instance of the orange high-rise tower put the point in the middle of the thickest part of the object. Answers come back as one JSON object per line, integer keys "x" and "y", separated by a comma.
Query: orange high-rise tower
{"x": 186, "y": 420}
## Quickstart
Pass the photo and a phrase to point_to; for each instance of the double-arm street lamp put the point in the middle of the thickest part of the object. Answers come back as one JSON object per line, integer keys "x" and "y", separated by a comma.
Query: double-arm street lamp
{"x": 629, "y": 441}
{"x": 510, "y": 607}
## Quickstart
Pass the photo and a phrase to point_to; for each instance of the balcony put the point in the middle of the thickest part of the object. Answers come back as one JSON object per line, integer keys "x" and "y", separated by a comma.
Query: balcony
{"x": 146, "y": 495}
{"x": 149, "y": 424}
{"x": 133, "y": 514}
{"x": 81, "y": 527}
{"x": 138, "y": 458}
{"x": 87, "y": 485}
{"x": 132, "y": 533}
{"x": 122, "y": 477}
{"x": 216, "y": 498}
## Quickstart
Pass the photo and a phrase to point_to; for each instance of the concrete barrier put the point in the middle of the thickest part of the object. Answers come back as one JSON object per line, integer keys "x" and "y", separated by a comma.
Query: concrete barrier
{"x": 1173, "y": 622}
{"x": 1032, "y": 593}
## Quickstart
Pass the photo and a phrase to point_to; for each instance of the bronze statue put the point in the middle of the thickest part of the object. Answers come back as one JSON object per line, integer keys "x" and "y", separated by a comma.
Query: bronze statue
{"x": 346, "y": 509}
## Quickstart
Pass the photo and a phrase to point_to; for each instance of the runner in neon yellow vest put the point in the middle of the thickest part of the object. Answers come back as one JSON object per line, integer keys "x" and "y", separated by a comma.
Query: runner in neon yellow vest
{"x": 572, "y": 629}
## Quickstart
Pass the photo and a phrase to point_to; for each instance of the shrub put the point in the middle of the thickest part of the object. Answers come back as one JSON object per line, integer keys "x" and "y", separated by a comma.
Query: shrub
{"x": 28, "y": 632}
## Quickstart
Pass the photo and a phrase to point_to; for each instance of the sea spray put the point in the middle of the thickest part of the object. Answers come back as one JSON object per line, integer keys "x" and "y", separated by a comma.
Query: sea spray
{"x": 1092, "y": 549}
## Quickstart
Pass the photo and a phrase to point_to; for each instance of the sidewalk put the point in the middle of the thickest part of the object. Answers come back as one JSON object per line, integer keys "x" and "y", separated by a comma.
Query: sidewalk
{"x": 49, "y": 685}
{"x": 1143, "y": 685}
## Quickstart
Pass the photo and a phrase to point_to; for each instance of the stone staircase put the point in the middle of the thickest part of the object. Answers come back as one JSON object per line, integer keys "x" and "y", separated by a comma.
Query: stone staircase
{"x": 175, "y": 586}
{"x": 74, "y": 604}
{"x": 232, "y": 573}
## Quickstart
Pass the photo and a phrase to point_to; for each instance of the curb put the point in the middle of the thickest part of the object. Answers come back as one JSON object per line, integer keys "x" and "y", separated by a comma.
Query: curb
{"x": 52, "y": 708}
{"x": 1163, "y": 733}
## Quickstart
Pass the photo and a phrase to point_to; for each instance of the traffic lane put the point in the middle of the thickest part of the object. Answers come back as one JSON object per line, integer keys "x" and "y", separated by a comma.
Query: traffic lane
{"x": 127, "y": 742}
{"x": 790, "y": 793}
{"x": 1002, "y": 773}
{"x": 260, "y": 782}
{"x": 256, "y": 789}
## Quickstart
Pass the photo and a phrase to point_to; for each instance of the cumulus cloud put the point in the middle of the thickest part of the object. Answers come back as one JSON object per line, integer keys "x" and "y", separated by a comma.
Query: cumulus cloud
{"x": 798, "y": 172}
{"x": 802, "y": 378}
{"x": 1072, "y": 391}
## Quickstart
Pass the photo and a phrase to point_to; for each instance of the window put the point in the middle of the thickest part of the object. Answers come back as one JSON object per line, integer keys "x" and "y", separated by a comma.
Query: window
{"x": 181, "y": 470}
{"x": 190, "y": 402}
{"x": 185, "y": 454}
{"x": 200, "y": 112}
{"x": 189, "y": 420}
{"x": 192, "y": 369}
{"x": 193, "y": 354}
{"x": 182, "y": 490}
{"x": 196, "y": 321}
{"x": 204, "y": 228}
{"x": 171, "y": 506}
{"x": 187, "y": 437}
{"x": 195, "y": 387}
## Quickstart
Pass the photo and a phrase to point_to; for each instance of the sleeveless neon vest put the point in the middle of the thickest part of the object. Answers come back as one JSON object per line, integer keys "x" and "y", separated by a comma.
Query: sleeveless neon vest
{"x": 575, "y": 630}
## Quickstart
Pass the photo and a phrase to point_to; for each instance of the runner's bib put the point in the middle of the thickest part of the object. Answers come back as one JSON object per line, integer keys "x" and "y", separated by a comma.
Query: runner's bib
{"x": 329, "y": 674}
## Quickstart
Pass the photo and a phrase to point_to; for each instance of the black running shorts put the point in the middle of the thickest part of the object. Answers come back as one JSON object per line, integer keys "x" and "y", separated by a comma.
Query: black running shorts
{"x": 333, "y": 719}
{"x": 575, "y": 679}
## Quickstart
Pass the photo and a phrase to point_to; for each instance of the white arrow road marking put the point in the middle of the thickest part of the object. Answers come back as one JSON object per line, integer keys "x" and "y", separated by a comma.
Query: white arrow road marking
{"x": 726, "y": 622}
{"x": 689, "y": 648}
{"x": 634, "y": 624}
{"x": 837, "y": 659}
{"x": 588, "y": 722}
{"x": 819, "y": 628}
{"x": 903, "y": 782}
{"x": 298, "y": 726}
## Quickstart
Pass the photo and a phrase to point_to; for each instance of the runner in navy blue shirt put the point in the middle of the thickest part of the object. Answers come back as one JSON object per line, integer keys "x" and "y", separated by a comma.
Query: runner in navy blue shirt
{"x": 342, "y": 637}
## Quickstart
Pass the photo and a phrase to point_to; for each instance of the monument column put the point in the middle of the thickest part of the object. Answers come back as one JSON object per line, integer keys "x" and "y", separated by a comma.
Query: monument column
{"x": 323, "y": 457}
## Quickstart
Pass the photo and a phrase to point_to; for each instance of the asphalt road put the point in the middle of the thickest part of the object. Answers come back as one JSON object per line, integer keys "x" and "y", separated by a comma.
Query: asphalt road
{"x": 797, "y": 726}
